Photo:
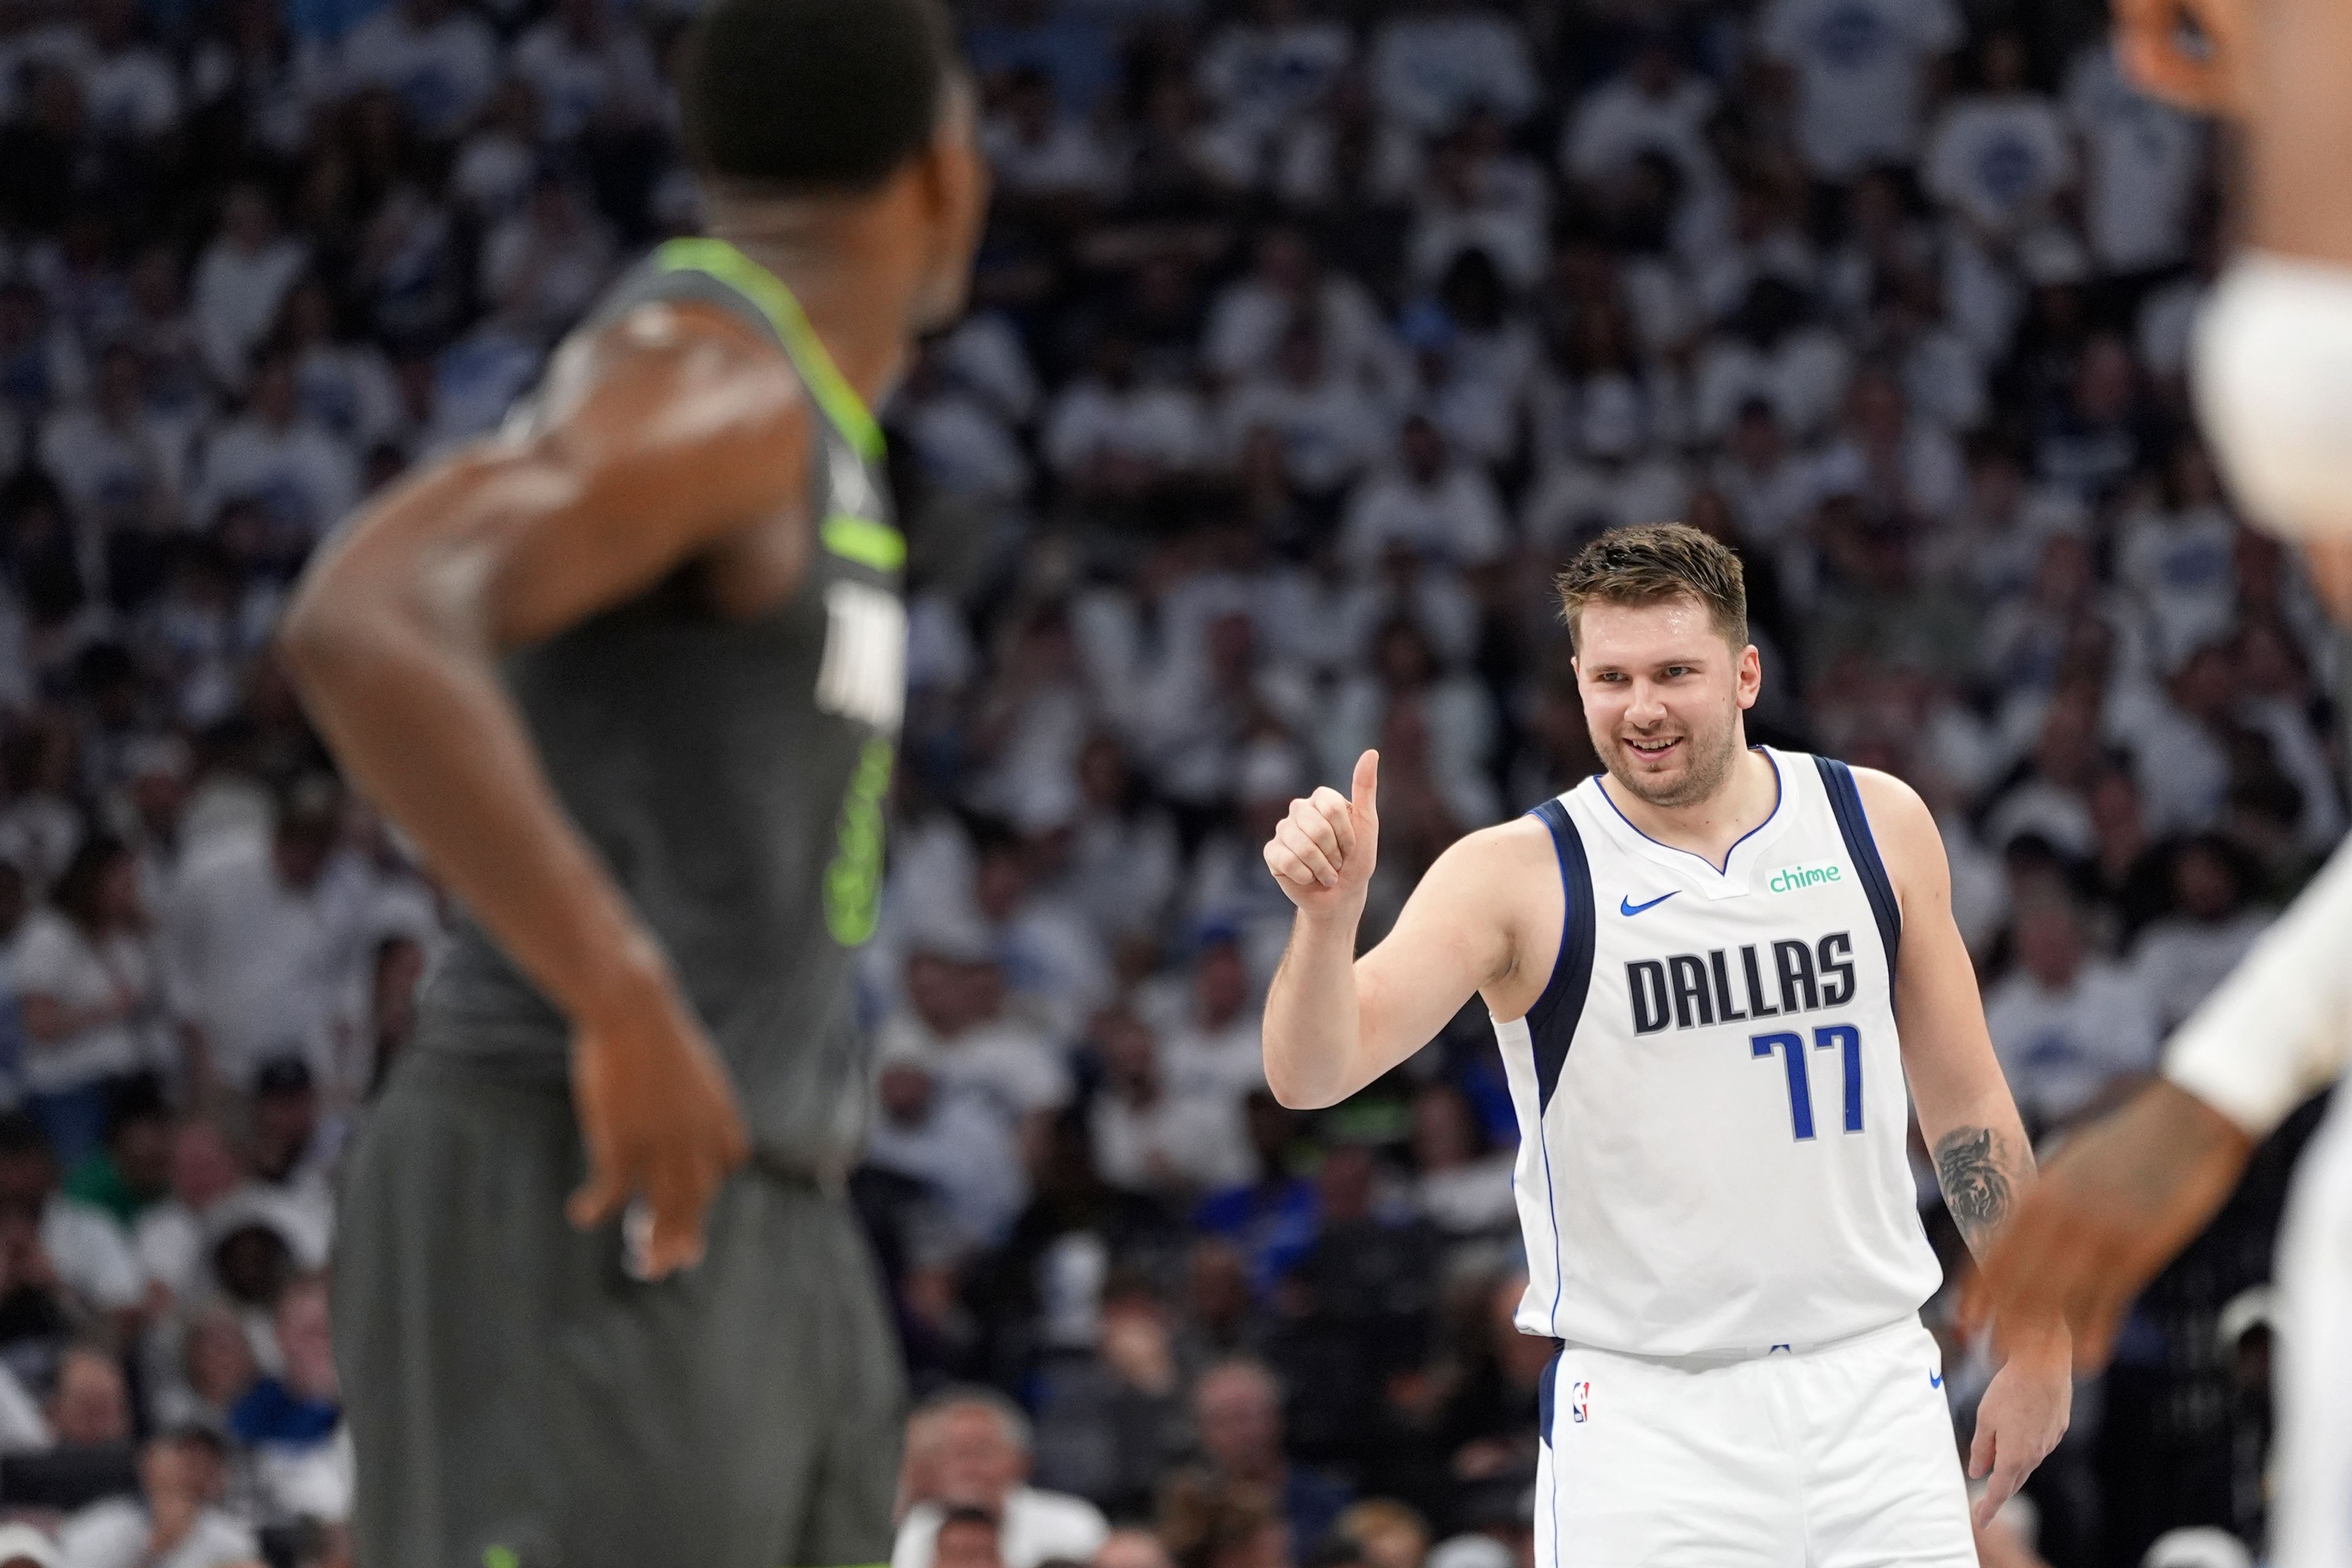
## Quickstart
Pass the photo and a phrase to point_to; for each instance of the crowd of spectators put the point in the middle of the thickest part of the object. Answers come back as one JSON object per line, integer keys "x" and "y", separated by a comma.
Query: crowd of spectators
{"x": 1309, "y": 337}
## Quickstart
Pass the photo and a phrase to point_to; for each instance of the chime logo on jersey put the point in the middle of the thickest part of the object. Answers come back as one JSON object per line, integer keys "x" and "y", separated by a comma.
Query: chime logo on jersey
{"x": 864, "y": 676}
{"x": 1794, "y": 878}
{"x": 1579, "y": 1400}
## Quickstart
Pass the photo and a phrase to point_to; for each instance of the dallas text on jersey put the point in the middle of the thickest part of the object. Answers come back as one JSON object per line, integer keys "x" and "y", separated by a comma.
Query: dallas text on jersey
{"x": 1695, "y": 990}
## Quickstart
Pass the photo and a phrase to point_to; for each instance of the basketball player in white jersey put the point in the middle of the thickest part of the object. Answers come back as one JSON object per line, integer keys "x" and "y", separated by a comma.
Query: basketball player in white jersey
{"x": 2273, "y": 380}
{"x": 1695, "y": 966}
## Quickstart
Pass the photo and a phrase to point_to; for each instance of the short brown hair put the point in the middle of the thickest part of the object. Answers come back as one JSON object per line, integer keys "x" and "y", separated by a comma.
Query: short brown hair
{"x": 1654, "y": 563}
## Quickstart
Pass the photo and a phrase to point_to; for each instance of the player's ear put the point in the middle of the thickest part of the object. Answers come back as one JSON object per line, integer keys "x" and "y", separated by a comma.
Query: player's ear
{"x": 952, "y": 177}
{"x": 1750, "y": 676}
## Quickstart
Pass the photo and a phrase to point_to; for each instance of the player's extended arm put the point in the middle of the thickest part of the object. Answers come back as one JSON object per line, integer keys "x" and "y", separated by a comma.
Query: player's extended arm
{"x": 1983, "y": 1162}
{"x": 659, "y": 438}
{"x": 1334, "y": 1022}
{"x": 2129, "y": 1192}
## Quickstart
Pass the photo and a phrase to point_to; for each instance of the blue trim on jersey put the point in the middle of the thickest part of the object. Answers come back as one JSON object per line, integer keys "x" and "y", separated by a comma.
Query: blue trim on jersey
{"x": 1550, "y": 1387}
{"x": 1547, "y": 1398}
{"x": 1552, "y": 1022}
{"x": 1853, "y": 826}
{"x": 1779, "y": 783}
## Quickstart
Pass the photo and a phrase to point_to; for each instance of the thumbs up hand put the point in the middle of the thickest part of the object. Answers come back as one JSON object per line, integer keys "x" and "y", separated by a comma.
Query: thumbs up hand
{"x": 1323, "y": 852}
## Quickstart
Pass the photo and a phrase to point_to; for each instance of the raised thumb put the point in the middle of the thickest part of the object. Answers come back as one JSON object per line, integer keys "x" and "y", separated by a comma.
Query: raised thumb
{"x": 1366, "y": 795}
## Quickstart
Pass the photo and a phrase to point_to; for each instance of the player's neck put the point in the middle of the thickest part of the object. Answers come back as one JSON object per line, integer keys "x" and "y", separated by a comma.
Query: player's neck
{"x": 1708, "y": 827}
{"x": 854, "y": 293}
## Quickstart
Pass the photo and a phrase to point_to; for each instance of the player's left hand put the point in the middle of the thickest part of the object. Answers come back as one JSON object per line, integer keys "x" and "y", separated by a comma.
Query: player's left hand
{"x": 2020, "y": 1419}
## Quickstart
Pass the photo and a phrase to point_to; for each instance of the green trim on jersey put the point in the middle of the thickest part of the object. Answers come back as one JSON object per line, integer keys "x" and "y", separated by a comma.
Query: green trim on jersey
{"x": 853, "y": 883}
{"x": 866, "y": 542}
{"x": 831, "y": 388}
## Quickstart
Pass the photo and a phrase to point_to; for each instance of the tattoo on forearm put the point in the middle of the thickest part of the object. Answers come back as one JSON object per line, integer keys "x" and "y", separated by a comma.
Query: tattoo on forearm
{"x": 1976, "y": 1188}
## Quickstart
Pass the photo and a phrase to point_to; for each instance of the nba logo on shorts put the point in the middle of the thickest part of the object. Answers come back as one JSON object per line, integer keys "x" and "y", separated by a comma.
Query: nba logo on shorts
{"x": 1578, "y": 1397}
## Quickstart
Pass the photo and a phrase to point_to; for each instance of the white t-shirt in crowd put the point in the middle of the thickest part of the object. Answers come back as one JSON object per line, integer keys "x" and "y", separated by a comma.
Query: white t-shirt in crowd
{"x": 1427, "y": 71}
{"x": 1070, "y": 160}
{"x": 1858, "y": 64}
{"x": 1261, "y": 77}
{"x": 1225, "y": 1062}
{"x": 303, "y": 476}
{"x": 575, "y": 85}
{"x": 263, "y": 968}
{"x": 1007, "y": 1070}
{"x": 1457, "y": 517}
{"x": 1932, "y": 475}
{"x": 1803, "y": 378}
{"x": 1155, "y": 423}
{"x": 23, "y": 1429}
{"x": 965, "y": 447}
{"x": 2183, "y": 566}
{"x": 2143, "y": 162}
{"x": 964, "y": 1152}
{"x": 1247, "y": 321}
{"x": 111, "y": 474}
{"x": 1619, "y": 121}
{"x": 556, "y": 275}
{"x": 1470, "y": 1198}
{"x": 1330, "y": 431}
{"x": 2000, "y": 161}
{"x": 2166, "y": 320}
{"x": 1034, "y": 1526}
{"x": 349, "y": 390}
{"x": 1196, "y": 1142}
{"x": 493, "y": 172}
{"x": 2180, "y": 963}
{"x": 442, "y": 74}
{"x": 2060, "y": 1049}
{"x": 1572, "y": 495}
{"x": 131, "y": 93}
{"x": 114, "y": 1535}
{"x": 91, "y": 1256}
{"x": 235, "y": 298}
{"x": 55, "y": 958}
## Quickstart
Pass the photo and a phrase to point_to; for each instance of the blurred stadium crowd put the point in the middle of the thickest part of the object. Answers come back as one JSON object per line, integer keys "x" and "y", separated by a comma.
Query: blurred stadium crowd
{"x": 1310, "y": 336}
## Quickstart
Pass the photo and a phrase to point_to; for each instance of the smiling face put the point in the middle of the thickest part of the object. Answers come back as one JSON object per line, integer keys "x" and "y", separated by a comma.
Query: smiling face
{"x": 1663, "y": 691}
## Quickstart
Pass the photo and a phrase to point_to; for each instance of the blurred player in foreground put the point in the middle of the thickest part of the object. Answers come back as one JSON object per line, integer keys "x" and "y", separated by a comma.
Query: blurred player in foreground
{"x": 2273, "y": 374}
{"x": 631, "y": 674}
{"x": 1694, "y": 964}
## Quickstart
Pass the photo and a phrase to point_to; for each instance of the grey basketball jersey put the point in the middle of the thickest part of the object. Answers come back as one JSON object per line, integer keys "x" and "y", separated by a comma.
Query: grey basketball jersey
{"x": 730, "y": 772}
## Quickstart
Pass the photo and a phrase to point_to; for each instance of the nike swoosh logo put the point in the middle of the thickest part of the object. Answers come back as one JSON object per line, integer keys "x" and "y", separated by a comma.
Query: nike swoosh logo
{"x": 1626, "y": 906}
{"x": 1935, "y": 1380}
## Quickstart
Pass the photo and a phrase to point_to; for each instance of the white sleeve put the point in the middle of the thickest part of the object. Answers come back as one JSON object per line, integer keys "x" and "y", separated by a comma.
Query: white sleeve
{"x": 2280, "y": 1028}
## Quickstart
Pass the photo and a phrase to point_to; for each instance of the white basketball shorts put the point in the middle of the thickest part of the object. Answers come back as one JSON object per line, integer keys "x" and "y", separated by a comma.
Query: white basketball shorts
{"x": 2311, "y": 1369}
{"x": 1835, "y": 1456}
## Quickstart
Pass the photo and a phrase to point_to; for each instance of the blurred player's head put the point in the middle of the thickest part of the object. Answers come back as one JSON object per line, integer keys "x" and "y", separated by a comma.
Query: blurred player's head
{"x": 1658, "y": 615}
{"x": 849, "y": 104}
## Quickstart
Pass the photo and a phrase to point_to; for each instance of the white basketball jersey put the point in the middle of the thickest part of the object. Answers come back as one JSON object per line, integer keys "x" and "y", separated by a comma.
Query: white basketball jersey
{"x": 1711, "y": 1103}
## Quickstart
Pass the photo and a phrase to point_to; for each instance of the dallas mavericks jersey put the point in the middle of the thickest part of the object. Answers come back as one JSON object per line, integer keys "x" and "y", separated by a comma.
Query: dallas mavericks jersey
{"x": 1711, "y": 1103}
